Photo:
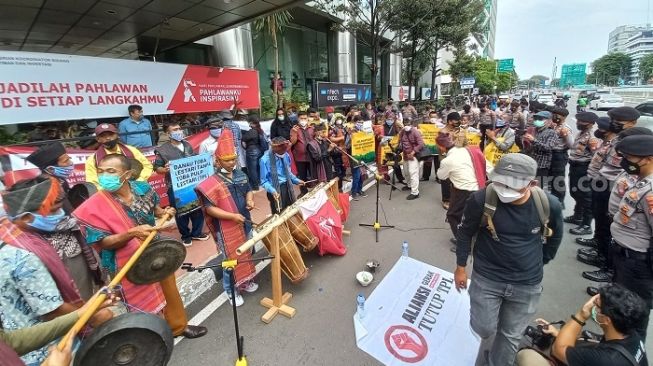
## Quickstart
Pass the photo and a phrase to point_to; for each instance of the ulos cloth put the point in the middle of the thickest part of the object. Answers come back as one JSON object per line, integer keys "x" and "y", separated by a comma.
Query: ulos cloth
{"x": 415, "y": 316}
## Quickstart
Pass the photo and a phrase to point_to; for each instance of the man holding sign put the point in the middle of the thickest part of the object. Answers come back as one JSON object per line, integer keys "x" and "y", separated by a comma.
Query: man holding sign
{"x": 189, "y": 213}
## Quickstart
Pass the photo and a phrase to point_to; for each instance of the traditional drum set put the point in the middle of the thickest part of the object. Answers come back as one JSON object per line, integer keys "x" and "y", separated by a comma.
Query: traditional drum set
{"x": 142, "y": 339}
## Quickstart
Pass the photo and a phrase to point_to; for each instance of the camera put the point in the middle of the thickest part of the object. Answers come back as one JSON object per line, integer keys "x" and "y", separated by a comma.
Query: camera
{"x": 538, "y": 338}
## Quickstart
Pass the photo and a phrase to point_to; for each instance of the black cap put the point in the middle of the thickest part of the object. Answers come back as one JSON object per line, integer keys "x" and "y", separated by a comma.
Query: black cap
{"x": 603, "y": 123}
{"x": 588, "y": 117}
{"x": 560, "y": 111}
{"x": 636, "y": 145}
{"x": 635, "y": 131}
{"x": 46, "y": 155}
{"x": 624, "y": 114}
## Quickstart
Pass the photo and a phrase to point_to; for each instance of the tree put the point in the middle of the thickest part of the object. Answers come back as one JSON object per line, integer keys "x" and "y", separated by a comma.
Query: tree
{"x": 611, "y": 68}
{"x": 274, "y": 24}
{"x": 462, "y": 65}
{"x": 485, "y": 72}
{"x": 646, "y": 68}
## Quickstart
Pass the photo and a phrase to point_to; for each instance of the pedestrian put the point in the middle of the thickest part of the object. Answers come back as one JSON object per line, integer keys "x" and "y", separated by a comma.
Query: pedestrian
{"x": 276, "y": 177}
{"x": 114, "y": 221}
{"x": 136, "y": 130}
{"x": 177, "y": 148}
{"x": 320, "y": 151}
{"x": 338, "y": 135}
{"x": 210, "y": 144}
{"x": 579, "y": 183}
{"x": 107, "y": 137}
{"x": 468, "y": 117}
{"x": 409, "y": 110}
{"x": 631, "y": 209}
{"x": 356, "y": 166}
{"x": 411, "y": 142}
{"x": 54, "y": 162}
{"x": 227, "y": 200}
{"x": 301, "y": 135}
{"x": 256, "y": 144}
{"x": 560, "y": 154}
{"x": 449, "y": 108}
{"x": 518, "y": 229}
{"x": 486, "y": 120}
{"x": 541, "y": 146}
{"x": 622, "y": 122}
{"x": 369, "y": 114}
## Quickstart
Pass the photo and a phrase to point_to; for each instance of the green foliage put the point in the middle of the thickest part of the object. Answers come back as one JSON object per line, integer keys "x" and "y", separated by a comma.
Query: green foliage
{"x": 646, "y": 68}
{"x": 462, "y": 65}
{"x": 273, "y": 24}
{"x": 268, "y": 106}
{"x": 485, "y": 74}
{"x": 609, "y": 68}
{"x": 10, "y": 139}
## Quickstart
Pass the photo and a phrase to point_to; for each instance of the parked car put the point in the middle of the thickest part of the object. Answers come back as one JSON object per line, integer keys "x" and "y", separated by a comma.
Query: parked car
{"x": 646, "y": 111}
{"x": 545, "y": 98}
{"x": 606, "y": 101}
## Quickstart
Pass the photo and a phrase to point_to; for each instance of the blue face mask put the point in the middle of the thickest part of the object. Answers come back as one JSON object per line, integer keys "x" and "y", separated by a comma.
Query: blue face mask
{"x": 110, "y": 183}
{"x": 61, "y": 171}
{"x": 538, "y": 124}
{"x": 215, "y": 132}
{"x": 389, "y": 122}
{"x": 177, "y": 135}
{"x": 47, "y": 223}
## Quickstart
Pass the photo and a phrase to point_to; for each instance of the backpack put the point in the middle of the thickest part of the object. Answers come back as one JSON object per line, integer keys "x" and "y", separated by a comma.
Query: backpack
{"x": 490, "y": 207}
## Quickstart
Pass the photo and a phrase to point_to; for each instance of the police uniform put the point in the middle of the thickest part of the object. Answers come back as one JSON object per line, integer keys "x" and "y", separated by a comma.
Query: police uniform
{"x": 631, "y": 209}
{"x": 517, "y": 122}
{"x": 560, "y": 157}
{"x": 580, "y": 156}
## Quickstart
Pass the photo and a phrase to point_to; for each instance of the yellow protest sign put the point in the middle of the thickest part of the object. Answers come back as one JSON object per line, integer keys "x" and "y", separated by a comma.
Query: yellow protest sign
{"x": 385, "y": 149}
{"x": 493, "y": 154}
{"x": 473, "y": 139}
{"x": 429, "y": 134}
{"x": 362, "y": 146}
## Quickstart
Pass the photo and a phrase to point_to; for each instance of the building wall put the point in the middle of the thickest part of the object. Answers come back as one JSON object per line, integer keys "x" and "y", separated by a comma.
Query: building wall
{"x": 638, "y": 46}
{"x": 619, "y": 36}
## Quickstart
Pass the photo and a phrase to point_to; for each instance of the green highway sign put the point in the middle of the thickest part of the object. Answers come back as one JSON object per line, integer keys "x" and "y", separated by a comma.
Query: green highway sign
{"x": 506, "y": 65}
{"x": 572, "y": 75}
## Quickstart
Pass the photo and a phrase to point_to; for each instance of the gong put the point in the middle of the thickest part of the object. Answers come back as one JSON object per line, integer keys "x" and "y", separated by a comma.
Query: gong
{"x": 159, "y": 260}
{"x": 130, "y": 339}
{"x": 80, "y": 192}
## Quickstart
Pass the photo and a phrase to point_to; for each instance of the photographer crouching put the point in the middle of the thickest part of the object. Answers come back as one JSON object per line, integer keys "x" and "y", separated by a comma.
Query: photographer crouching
{"x": 618, "y": 311}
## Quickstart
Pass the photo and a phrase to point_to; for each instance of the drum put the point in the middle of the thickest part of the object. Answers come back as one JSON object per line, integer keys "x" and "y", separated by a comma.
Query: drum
{"x": 291, "y": 260}
{"x": 301, "y": 233}
{"x": 81, "y": 192}
{"x": 132, "y": 339}
{"x": 332, "y": 194}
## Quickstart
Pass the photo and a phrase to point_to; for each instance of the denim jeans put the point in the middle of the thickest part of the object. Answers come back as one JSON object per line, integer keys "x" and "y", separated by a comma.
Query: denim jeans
{"x": 253, "y": 169}
{"x": 499, "y": 315}
{"x": 356, "y": 181}
{"x": 196, "y": 219}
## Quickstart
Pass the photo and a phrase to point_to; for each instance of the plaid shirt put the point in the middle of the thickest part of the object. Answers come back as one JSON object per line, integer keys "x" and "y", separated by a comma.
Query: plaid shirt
{"x": 542, "y": 147}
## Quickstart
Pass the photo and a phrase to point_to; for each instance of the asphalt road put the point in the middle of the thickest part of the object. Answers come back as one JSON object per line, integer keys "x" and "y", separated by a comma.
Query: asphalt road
{"x": 322, "y": 331}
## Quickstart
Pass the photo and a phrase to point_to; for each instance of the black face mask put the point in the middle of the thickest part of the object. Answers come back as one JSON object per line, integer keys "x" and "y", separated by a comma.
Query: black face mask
{"x": 110, "y": 144}
{"x": 615, "y": 126}
{"x": 599, "y": 134}
{"x": 482, "y": 110}
{"x": 630, "y": 167}
{"x": 581, "y": 126}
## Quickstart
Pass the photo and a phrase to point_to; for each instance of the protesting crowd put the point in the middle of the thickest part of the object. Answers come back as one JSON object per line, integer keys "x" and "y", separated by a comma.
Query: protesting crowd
{"x": 504, "y": 169}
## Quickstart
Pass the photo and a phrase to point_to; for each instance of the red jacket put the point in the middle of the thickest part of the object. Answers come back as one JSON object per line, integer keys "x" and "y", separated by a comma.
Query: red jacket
{"x": 411, "y": 141}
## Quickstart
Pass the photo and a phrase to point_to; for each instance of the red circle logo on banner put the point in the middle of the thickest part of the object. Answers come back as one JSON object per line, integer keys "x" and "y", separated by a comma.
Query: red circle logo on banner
{"x": 406, "y": 343}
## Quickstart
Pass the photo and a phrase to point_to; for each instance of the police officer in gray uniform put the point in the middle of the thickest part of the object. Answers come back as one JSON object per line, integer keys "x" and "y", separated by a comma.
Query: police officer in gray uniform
{"x": 560, "y": 153}
{"x": 631, "y": 208}
{"x": 621, "y": 119}
{"x": 579, "y": 185}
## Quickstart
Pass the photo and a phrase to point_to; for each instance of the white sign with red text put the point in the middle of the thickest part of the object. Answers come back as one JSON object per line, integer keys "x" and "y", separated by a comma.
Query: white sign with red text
{"x": 415, "y": 316}
{"x": 36, "y": 87}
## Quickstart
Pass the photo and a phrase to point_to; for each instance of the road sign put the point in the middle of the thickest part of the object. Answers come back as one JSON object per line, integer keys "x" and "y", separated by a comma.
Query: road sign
{"x": 572, "y": 75}
{"x": 475, "y": 91}
{"x": 468, "y": 80}
{"x": 468, "y": 86}
{"x": 506, "y": 65}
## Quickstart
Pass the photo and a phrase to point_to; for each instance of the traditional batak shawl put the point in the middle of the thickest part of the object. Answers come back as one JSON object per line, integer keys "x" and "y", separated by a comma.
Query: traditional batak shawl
{"x": 478, "y": 161}
{"x": 103, "y": 213}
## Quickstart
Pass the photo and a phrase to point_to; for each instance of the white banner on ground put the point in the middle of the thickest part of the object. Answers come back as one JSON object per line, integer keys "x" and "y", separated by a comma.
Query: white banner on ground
{"x": 415, "y": 316}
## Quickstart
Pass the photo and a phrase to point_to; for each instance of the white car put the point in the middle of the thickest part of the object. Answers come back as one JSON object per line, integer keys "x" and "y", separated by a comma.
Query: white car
{"x": 545, "y": 98}
{"x": 606, "y": 101}
{"x": 646, "y": 111}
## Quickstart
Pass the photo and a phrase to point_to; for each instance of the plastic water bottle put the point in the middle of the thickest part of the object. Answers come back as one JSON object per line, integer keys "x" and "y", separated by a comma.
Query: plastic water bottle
{"x": 404, "y": 249}
{"x": 360, "y": 300}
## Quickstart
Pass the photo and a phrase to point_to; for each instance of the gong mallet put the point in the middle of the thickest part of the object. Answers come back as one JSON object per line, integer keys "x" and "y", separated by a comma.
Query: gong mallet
{"x": 81, "y": 322}
{"x": 230, "y": 267}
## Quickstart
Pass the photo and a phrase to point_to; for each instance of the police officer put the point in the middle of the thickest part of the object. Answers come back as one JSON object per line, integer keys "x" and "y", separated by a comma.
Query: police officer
{"x": 517, "y": 122}
{"x": 631, "y": 208}
{"x": 621, "y": 119}
{"x": 560, "y": 154}
{"x": 579, "y": 160}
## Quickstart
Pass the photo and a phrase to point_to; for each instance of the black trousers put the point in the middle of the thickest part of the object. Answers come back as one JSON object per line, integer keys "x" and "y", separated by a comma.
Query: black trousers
{"x": 445, "y": 187}
{"x": 635, "y": 275}
{"x": 426, "y": 169}
{"x": 580, "y": 190}
{"x": 602, "y": 219}
{"x": 557, "y": 171}
{"x": 339, "y": 169}
{"x": 303, "y": 173}
{"x": 456, "y": 208}
{"x": 285, "y": 200}
{"x": 483, "y": 128}
{"x": 399, "y": 175}
{"x": 543, "y": 177}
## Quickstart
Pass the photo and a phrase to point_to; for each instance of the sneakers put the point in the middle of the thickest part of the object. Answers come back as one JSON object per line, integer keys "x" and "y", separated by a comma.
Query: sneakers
{"x": 354, "y": 196}
{"x": 363, "y": 194}
{"x": 581, "y": 230}
{"x": 598, "y": 276}
{"x": 588, "y": 242}
{"x": 412, "y": 196}
{"x": 588, "y": 251}
{"x": 250, "y": 287}
{"x": 592, "y": 260}
{"x": 187, "y": 242}
{"x": 202, "y": 237}
{"x": 239, "y": 300}
{"x": 405, "y": 188}
{"x": 573, "y": 220}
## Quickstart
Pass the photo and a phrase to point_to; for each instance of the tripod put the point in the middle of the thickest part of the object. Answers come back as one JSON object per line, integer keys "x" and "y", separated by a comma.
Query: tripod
{"x": 230, "y": 266}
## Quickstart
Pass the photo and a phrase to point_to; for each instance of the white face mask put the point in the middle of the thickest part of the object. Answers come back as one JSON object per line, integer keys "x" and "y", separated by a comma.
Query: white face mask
{"x": 407, "y": 128}
{"x": 279, "y": 155}
{"x": 507, "y": 194}
{"x": 303, "y": 123}
{"x": 434, "y": 120}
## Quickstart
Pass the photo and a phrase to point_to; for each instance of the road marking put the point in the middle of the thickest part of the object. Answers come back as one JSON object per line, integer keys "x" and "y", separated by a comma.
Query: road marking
{"x": 214, "y": 305}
